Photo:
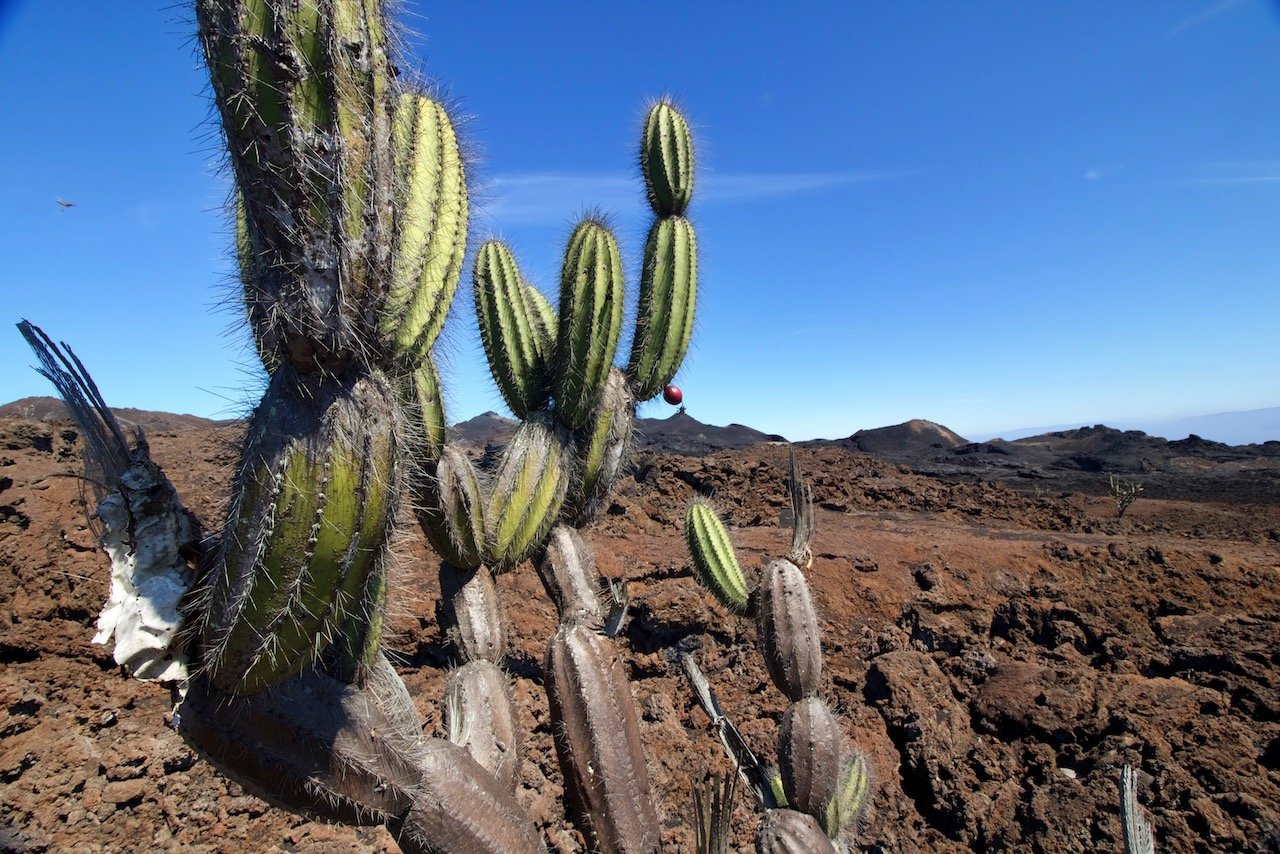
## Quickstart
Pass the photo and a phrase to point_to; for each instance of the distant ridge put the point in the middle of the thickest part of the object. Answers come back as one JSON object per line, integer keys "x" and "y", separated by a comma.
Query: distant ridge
{"x": 910, "y": 437}
{"x": 1247, "y": 427}
{"x": 679, "y": 434}
{"x": 52, "y": 409}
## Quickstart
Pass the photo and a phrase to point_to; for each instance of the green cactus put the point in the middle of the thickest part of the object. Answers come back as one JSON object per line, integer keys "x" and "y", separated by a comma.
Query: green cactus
{"x": 850, "y": 799}
{"x": 313, "y": 508}
{"x": 351, "y": 226}
{"x": 666, "y": 159}
{"x": 590, "y": 321}
{"x": 714, "y": 557}
{"x": 451, "y": 509}
{"x": 303, "y": 93}
{"x": 668, "y": 292}
{"x": 430, "y": 223}
{"x": 515, "y": 340}
{"x": 526, "y": 495}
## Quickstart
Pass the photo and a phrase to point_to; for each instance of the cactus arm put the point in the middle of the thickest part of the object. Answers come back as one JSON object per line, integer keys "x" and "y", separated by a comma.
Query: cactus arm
{"x": 590, "y": 321}
{"x": 714, "y": 557}
{"x": 431, "y": 214}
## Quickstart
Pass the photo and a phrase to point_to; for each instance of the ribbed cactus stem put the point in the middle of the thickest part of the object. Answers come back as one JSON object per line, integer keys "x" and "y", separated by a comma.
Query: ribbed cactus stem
{"x": 786, "y": 831}
{"x": 308, "y": 524}
{"x": 598, "y": 741}
{"x": 356, "y": 755}
{"x": 668, "y": 295}
{"x": 431, "y": 227}
{"x": 526, "y": 494}
{"x": 714, "y": 557}
{"x": 303, "y": 92}
{"x": 472, "y": 613}
{"x": 568, "y": 572}
{"x": 810, "y": 753}
{"x": 801, "y": 553}
{"x": 851, "y": 796}
{"x": 450, "y": 507}
{"x": 788, "y": 625}
{"x": 591, "y": 296}
{"x": 601, "y": 448}
{"x": 480, "y": 716}
{"x": 512, "y": 329}
{"x": 666, "y": 159}
{"x": 422, "y": 401}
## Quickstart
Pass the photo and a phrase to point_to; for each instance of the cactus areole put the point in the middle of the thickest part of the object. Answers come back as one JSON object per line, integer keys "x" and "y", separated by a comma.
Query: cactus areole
{"x": 673, "y": 395}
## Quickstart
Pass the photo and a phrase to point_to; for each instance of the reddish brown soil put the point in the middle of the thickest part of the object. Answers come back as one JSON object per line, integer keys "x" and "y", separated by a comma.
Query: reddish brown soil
{"x": 998, "y": 657}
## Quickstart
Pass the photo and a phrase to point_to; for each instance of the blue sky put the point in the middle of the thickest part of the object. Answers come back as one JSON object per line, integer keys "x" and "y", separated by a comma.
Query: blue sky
{"x": 986, "y": 214}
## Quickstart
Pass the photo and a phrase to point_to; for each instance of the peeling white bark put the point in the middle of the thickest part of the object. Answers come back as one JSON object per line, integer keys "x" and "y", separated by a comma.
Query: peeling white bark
{"x": 144, "y": 527}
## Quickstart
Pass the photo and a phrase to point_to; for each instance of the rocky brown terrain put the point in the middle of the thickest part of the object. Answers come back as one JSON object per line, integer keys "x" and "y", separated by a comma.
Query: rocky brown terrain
{"x": 999, "y": 653}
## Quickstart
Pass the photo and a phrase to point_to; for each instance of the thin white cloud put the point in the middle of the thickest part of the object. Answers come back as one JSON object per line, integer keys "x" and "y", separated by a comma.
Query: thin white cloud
{"x": 1202, "y": 17}
{"x": 1099, "y": 173}
{"x": 547, "y": 198}
{"x": 1243, "y": 174}
{"x": 721, "y": 187}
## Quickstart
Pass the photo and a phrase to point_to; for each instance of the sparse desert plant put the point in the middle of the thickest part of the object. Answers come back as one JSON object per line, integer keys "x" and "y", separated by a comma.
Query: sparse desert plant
{"x": 1125, "y": 492}
{"x": 351, "y": 213}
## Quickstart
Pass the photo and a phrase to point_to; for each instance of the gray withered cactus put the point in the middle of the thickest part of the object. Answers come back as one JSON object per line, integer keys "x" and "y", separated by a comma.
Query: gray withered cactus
{"x": 351, "y": 214}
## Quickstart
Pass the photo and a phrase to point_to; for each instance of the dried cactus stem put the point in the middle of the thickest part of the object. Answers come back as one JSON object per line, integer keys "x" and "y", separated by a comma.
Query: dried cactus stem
{"x": 786, "y": 831}
{"x": 568, "y": 572}
{"x": 472, "y": 613}
{"x": 598, "y": 741}
{"x": 788, "y": 625}
{"x": 810, "y": 752}
{"x": 317, "y": 746}
{"x": 480, "y": 716}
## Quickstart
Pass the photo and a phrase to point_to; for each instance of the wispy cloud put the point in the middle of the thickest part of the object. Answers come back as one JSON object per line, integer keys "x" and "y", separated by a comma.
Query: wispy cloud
{"x": 1202, "y": 17}
{"x": 547, "y": 198}
{"x": 1242, "y": 174}
{"x": 552, "y": 198}
{"x": 726, "y": 188}
{"x": 1099, "y": 173}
